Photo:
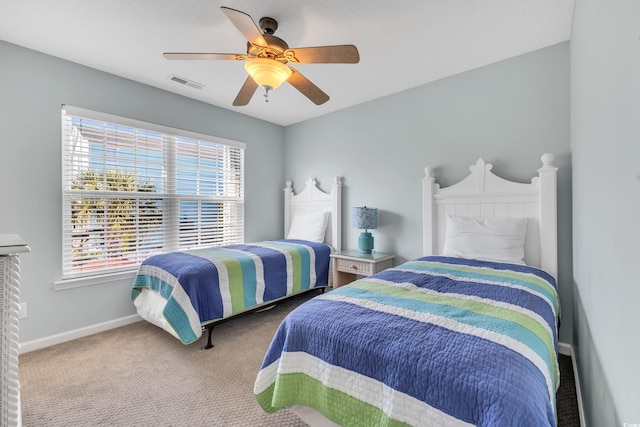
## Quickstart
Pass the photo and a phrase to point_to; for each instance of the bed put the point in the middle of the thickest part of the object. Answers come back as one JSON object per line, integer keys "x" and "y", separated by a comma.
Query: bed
{"x": 467, "y": 334}
{"x": 187, "y": 292}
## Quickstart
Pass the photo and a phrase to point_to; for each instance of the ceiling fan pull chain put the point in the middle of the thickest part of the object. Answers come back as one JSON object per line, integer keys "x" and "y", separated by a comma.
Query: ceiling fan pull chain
{"x": 266, "y": 94}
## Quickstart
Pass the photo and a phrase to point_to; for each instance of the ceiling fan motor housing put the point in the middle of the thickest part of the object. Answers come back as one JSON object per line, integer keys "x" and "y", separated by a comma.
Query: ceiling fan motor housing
{"x": 275, "y": 50}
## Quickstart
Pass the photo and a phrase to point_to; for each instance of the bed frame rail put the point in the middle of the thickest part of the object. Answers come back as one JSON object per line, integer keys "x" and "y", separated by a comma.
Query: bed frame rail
{"x": 262, "y": 307}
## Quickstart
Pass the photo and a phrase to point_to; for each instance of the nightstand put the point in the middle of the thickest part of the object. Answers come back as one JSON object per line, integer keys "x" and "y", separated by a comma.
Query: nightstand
{"x": 347, "y": 265}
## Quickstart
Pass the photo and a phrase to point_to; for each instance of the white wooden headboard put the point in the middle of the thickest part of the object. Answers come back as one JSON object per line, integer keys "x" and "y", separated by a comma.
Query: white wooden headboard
{"x": 486, "y": 195}
{"x": 315, "y": 200}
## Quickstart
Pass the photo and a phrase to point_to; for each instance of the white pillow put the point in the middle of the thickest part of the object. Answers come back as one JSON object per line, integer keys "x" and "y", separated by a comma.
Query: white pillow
{"x": 308, "y": 226}
{"x": 488, "y": 239}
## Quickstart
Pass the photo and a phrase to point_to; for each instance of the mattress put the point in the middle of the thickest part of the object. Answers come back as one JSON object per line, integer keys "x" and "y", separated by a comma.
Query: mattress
{"x": 182, "y": 291}
{"x": 434, "y": 341}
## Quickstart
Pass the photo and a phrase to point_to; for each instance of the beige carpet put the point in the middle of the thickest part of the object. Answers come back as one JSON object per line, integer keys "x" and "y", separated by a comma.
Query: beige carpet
{"x": 139, "y": 375}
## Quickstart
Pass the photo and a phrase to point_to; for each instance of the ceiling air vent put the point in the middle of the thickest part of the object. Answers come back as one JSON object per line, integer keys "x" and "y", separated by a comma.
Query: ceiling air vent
{"x": 184, "y": 81}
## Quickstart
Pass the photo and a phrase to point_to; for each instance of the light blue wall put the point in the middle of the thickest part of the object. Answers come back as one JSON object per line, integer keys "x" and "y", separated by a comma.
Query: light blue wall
{"x": 509, "y": 113}
{"x": 33, "y": 86}
{"x": 605, "y": 144}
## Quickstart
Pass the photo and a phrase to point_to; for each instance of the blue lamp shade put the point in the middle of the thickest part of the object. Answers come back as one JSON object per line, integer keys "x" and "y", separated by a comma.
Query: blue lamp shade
{"x": 366, "y": 219}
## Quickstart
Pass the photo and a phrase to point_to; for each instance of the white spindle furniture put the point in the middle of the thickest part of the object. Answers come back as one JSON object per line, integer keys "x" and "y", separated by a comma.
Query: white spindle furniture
{"x": 10, "y": 246}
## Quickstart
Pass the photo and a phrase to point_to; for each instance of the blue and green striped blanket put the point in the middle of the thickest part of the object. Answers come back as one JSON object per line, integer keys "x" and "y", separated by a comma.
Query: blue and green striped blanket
{"x": 435, "y": 341}
{"x": 199, "y": 286}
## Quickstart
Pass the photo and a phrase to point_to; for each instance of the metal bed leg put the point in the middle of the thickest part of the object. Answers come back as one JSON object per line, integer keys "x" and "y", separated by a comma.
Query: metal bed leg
{"x": 209, "y": 344}
{"x": 209, "y": 327}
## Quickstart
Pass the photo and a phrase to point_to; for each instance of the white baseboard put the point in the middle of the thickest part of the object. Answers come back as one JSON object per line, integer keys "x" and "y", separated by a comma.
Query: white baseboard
{"x": 567, "y": 350}
{"x": 28, "y": 346}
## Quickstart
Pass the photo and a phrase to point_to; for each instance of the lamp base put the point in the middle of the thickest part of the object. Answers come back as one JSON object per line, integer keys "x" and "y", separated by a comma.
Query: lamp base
{"x": 365, "y": 242}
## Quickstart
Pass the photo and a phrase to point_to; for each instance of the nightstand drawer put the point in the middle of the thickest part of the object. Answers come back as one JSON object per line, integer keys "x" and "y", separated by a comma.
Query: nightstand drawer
{"x": 355, "y": 267}
{"x": 346, "y": 266}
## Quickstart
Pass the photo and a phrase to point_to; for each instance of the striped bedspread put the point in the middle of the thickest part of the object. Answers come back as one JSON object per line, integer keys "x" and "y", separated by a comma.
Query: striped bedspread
{"x": 433, "y": 342}
{"x": 199, "y": 286}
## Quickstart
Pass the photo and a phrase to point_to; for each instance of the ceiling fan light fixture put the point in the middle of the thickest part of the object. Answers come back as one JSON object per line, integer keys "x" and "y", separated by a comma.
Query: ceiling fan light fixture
{"x": 267, "y": 73}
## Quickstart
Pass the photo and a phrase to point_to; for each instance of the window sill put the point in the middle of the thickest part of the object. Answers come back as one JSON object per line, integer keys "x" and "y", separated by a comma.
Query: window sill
{"x": 93, "y": 280}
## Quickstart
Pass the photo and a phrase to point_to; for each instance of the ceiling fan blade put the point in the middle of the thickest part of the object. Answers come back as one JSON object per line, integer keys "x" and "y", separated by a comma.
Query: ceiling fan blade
{"x": 246, "y": 25}
{"x": 339, "y": 54}
{"x": 206, "y": 56}
{"x": 246, "y": 92}
{"x": 308, "y": 89}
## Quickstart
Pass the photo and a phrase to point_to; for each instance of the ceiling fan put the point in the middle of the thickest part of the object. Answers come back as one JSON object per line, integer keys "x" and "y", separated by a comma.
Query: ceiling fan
{"x": 267, "y": 55}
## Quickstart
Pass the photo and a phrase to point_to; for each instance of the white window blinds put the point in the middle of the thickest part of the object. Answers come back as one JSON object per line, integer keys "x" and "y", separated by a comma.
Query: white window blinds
{"x": 133, "y": 189}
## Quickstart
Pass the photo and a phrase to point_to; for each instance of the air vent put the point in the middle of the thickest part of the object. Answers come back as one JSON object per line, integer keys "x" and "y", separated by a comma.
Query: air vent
{"x": 186, "y": 82}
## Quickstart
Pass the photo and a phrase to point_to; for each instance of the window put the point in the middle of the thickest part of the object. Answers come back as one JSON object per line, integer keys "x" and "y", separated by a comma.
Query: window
{"x": 133, "y": 189}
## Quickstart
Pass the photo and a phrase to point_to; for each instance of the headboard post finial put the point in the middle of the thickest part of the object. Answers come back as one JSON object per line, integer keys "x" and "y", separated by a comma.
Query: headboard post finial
{"x": 428, "y": 173}
{"x": 547, "y": 160}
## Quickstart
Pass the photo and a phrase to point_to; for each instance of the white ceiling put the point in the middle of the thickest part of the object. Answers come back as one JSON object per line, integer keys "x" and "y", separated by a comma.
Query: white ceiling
{"x": 402, "y": 45}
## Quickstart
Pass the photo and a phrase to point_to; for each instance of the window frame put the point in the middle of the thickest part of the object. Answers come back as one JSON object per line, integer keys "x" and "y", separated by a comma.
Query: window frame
{"x": 229, "y": 199}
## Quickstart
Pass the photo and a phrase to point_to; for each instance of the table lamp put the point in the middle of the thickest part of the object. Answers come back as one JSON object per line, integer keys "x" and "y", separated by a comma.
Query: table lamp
{"x": 366, "y": 219}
